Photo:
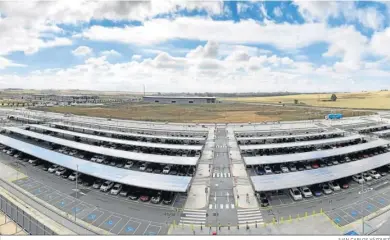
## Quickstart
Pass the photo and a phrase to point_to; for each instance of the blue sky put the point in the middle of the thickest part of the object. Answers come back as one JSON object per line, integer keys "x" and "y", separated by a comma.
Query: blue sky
{"x": 195, "y": 46}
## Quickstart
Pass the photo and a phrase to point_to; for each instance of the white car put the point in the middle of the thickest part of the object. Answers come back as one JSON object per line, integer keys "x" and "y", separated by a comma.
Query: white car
{"x": 62, "y": 150}
{"x": 295, "y": 194}
{"x": 335, "y": 162}
{"x": 306, "y": 192}
{"x": 60, "y": 171}
{"x": 284, "y": 169}
{"x": 143, "y": 167}
{"x": 334, "y": 186}
{"x": 166, "y": 169}
{"x": 53, "y": 168}
{"x": 374, "y": 174}
{"x": 267, "y": 169}
{"x": 73, "y": 152}
{"x": 293, "y": 168}
{"x": 32, "y": 161}
{"x": 93, "y": 159}
{"x": 358, "y": 178}
{"x": 116, "y": 189}
{"x": 326, "y": 189}
{"x": 106, "y": 186}
{"x": 129, "y": 164}
{"x": 367, "y": 177}
{"x": 347, "y": 159}
{"x": 97, "y": 184}
{"x": 72, "y": 177}
{"x": 100, "y": 159}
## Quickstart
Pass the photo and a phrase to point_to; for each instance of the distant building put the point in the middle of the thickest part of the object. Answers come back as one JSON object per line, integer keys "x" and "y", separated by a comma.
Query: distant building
{"x": 179, "y": 100}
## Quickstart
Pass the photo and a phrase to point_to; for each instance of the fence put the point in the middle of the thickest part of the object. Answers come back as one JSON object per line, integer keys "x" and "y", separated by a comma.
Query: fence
{"x": 23, "y": 219}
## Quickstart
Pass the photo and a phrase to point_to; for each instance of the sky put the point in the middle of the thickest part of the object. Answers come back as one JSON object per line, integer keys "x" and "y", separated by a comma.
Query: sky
{"x": 195, "y": 46}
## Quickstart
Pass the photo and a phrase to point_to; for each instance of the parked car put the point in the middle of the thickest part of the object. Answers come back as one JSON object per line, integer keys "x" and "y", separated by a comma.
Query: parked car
{"x": 306, "y": 192}
{"x": 129, "y": 164}
{"x": 124, "y": 192}
{"x": 284, "y": 169}
{"x": 74, "y": 175}
{"x": 334, "y": 186}
{"x": 374, "y": 174}
{"x": 259, "y": 170}
{"x": 120, "y": 165}
{"x": 134, "y": 195}
{"x": 60, "y": 171}
{"x": 97, "y": 184}
{"x": 106, "y": 186}
{"x": 293, "y": 168}
{"x": 116, "y": 189}
{"x": 144, "y": 197}
{"x": 143, "y": 167}
{"x": 358, "y": 178}
{"x": 317, "y": 191}
{"x": 295, "y": 194}
{"x": 53, "y": 168}
{"x": 167, "y": 198}
{"x": 326, "y": 189}
{"x": 264, "y": 202}
{"x": 367, "y": 177}
{"x": 166, "y": 169}
{"x": 344, "y": 183}
{"x": 156, "y": 199}
{"x": 267, "y": 169}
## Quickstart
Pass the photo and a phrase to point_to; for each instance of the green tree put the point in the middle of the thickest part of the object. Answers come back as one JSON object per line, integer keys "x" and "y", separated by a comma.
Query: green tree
{"x": 333, "y": 97}
{"x": 295, "y": 101}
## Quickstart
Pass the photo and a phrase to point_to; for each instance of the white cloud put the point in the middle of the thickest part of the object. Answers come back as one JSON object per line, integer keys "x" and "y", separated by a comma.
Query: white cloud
{"x": 5, "y": 63}
{"x": 278, "y": 12}
{"x": 82, "y": 51}
{"x": 379, "y": 43}
{"x": 136, "y": 57}
{"x": 210, "y": 50}
{"x": 264, "y": 11}
{"x": 111, "y": 53}
{"x": 369, "y": 17}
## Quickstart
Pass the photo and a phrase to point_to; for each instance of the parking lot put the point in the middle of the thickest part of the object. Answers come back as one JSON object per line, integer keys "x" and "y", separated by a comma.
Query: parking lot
{"x": 113, "y": 222}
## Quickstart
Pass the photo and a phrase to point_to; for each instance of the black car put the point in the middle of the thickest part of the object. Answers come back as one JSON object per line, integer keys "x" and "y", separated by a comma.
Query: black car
{"x": 106, "y": 162}
{"x": 173, "y": 172}
{"x": 157, "y": 170}
{"x": 88, "y": 182}
{"x": 264, "y": 202}
{"x": 66, "y": 174}
{"x": 167, "y": 198}
{"x": 134, "y": 195}
{"x": 112, "y": 164}
{"x": 45, "y": 167}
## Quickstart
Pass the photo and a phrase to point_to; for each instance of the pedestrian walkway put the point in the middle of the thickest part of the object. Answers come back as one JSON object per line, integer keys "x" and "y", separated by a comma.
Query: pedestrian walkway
{"x": 195, "y": 217}
{"x": 249, "y": 216}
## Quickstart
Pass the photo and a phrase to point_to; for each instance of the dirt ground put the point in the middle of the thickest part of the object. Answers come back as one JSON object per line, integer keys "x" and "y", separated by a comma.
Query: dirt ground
{"x": 358, "y": 100}
{"x": 202, "y": 113}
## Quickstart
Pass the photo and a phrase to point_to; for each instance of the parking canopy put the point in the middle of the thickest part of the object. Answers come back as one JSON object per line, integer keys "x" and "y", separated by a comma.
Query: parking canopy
{"x": 301, "y": 144}
{"x": 290, "y": 136}
{"x": 303, "y": 178}
{"x": 121, "y": 127}
{"x": 382, "y": 133}
{"x": 118, "y": 141}
{"x": 372, "y": 127}
{"x": 119, "y": 175}
{"x": 285, "y": 158}
{"x": 162, "y": 159}
{"x": 25, "y": 119}
{"x": 128, "y": 134}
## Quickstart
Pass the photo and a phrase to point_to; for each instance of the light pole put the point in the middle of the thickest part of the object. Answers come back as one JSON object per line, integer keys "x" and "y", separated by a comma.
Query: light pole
{"x": 362, "y": 205}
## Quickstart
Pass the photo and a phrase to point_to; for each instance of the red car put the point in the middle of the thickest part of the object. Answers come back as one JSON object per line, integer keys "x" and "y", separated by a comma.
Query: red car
{"x": 315, "y": 165}
{"x": 144, "y": 198}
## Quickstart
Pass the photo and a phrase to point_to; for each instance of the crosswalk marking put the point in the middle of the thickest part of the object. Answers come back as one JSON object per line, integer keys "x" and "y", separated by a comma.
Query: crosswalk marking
{"x": 210, "y": 206}
{"x": 221, "y": 206}
{"x": 249, "y": 216}
{"x": 193, "y": 217}
{"x": 221, "y": 175}
{"x": 232, "y": 205}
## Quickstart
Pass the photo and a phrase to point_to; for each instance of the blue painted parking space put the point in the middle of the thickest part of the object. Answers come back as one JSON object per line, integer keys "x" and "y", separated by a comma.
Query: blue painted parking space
{"x": 130, "y": 228}
{"x": 91, "y": 217}
{"x": 63, "y": 202}
{"x": 110, "y": 222}
{"x": 152, "y": 230}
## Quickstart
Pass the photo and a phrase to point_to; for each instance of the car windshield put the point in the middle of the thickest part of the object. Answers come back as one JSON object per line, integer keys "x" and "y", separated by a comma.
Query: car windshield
{"x": 296, "y": 192}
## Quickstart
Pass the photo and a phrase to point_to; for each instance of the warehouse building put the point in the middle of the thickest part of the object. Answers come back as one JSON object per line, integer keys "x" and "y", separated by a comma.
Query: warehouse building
{"x": 179, "y": 100}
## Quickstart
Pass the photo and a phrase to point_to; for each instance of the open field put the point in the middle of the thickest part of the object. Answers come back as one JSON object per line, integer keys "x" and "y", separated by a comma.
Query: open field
{"x": 362, "y": 100}
{"x": 204, "y": 113}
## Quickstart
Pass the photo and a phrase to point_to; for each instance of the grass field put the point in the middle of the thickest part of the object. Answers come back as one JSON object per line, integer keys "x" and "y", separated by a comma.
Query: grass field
{"x": 205, "y": 113}
{"x": 362, "y": 100}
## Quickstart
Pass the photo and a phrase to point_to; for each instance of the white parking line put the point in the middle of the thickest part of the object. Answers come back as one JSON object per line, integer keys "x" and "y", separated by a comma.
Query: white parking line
{"x": 221, "y": 206}
{"x": 146, "y": 229}
{"x": 232, "y": 205}
{"x": 227, "y": 206}
{"x": 210, "y": 206}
